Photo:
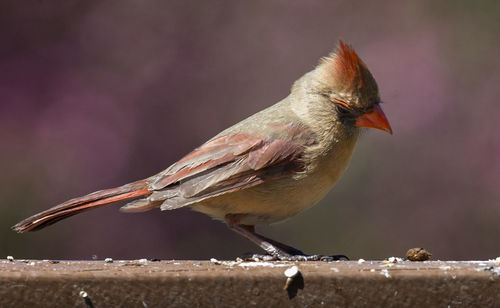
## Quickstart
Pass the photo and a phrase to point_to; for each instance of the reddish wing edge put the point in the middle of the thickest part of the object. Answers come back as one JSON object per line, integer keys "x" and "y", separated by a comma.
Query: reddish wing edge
{"x": 78, "y": 205}
{"x": 221, "y": 165}
{"x": 267, "y": 160}
{"x": 232, "y": 162}
{"x": 211, "y": 154}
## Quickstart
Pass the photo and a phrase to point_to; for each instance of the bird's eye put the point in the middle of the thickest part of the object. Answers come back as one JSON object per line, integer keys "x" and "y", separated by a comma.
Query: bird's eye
{"x": 342, "y": 106}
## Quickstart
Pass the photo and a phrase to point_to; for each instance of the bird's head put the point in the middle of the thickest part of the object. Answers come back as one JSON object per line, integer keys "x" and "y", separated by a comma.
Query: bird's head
{"x": 349, "y": 85}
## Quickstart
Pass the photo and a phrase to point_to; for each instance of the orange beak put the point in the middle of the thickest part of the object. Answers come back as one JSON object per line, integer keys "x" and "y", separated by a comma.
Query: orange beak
{"x": 374, "y": 119}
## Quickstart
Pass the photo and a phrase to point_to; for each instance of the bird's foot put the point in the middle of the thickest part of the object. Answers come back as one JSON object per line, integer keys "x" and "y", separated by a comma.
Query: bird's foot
{"x": 276, "y": 251}
{"x": 288, "y": 257}
{"x": 257, "y": 257}
{"x": 314, "y": 258}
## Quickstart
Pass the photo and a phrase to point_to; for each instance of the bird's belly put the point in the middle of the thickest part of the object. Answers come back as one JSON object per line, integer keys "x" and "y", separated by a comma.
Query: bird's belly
{"x": 278, "y": 199}
{"x": 266, "y": 203}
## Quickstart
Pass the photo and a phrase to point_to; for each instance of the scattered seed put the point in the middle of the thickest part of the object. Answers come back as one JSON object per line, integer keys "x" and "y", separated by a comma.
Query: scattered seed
{"x": 418, "y": 254}
{"x": 294, "y": 281}
{"x": 385, "y": 272}
{"x": 86, "y": 297}
{"x": 395, "y": 259}
{"x": 292, "y": 271}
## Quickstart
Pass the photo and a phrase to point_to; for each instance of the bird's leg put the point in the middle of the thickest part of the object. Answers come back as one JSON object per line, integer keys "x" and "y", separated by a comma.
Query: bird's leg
{"x": 279, "y": 250}
{"x": 288, "y": 249}
{"x": 248, "y": 232}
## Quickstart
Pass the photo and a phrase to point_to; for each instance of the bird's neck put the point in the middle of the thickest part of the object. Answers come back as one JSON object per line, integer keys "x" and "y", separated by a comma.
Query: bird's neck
{"x": 335, "y": 139}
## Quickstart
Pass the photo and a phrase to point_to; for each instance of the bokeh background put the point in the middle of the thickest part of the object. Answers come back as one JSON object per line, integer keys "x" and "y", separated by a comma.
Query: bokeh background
{"x": 96, "y": 94}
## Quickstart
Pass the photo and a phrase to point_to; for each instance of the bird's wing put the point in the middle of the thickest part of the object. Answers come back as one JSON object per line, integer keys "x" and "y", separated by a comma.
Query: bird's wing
{"x": 231, "y": 162}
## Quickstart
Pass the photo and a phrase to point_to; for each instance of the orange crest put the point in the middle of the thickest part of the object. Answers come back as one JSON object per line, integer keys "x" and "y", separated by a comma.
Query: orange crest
{"x": 348, "y": 62}
{"x": 347, "y": 65}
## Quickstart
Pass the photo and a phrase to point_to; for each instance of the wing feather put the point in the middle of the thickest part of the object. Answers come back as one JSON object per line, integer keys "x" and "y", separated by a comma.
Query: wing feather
{"x": 231, "y": 163}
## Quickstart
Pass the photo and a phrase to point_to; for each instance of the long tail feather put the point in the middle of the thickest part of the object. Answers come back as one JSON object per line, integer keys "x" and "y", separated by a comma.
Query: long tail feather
{"x": 78, "y": 205}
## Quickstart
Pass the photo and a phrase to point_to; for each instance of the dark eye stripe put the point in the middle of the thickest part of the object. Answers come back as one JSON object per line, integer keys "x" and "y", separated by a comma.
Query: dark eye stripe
{"x": 342, "y": 107}
{"x": 342, "y": 103}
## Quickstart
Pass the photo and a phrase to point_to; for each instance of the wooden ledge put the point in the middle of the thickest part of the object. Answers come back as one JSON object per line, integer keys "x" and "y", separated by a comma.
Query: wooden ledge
{"x": 143, "y": 283}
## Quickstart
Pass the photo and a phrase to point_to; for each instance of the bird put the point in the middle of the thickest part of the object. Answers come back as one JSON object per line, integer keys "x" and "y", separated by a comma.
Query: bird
{"x": 267, "y": 168}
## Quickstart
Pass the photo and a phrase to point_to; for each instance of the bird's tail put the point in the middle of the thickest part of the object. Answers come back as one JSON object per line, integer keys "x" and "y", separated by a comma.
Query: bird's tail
{"x": 78, "y": 205}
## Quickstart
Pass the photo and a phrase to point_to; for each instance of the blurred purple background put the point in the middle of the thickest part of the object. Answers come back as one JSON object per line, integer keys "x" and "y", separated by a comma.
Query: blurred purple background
{"x": 98, "y": 94}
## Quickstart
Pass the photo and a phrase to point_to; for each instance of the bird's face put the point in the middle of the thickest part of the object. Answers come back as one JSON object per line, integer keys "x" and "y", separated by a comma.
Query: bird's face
{"x": 353, "y": 90}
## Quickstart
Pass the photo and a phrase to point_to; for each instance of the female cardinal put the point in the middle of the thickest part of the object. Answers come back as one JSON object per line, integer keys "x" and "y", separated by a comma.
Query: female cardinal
{"x": 269, "y": 167}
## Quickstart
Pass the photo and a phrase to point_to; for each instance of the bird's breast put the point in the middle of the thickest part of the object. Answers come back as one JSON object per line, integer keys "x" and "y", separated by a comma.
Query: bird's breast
{"x": 281, "y": 198}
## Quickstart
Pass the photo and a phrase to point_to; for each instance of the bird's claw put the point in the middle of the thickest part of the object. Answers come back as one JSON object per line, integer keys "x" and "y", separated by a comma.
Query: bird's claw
{"x": 314, "y": 258}
{"x": 287, "y": 257}
{"x": 258, "y": 257}
{"x": 334, "y": 258}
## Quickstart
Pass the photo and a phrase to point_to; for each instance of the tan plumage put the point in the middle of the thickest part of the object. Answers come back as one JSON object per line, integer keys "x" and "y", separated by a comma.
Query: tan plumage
{"x": 270, "y": 166}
